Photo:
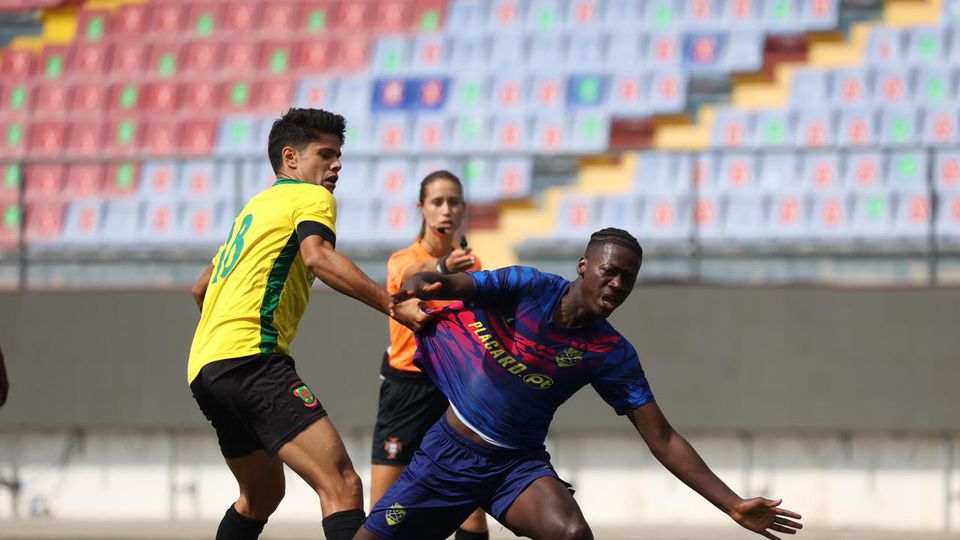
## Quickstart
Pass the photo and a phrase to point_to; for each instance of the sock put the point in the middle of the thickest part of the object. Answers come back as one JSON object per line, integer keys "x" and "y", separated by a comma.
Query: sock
{"x": 342, "y": 525}
{"x": 467, "y": 535}
{"x": 234, "y": 526}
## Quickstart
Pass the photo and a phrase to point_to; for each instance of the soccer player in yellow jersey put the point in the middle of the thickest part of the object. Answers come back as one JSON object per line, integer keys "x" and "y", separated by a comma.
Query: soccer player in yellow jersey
{"x": 251, "y": 298}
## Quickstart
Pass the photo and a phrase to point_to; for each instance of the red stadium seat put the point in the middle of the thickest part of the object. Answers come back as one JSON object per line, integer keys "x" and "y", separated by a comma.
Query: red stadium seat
{"x": 84, "y": 180}
{"x": 165, "y": 59}
{"x": 53, "y": 62}
{"x": 355, "y": 15}
{"x": 10, "y": 179}
{"x": 129, "y": 22}
{"x": 17, "y": 64}
{"x": 88, "y": 60}
{"x": 124, "y": 98}
{"x": 13, "y": 138}
{"x": 199, "y": 96}
{"x": 166, "y": 18}
{"x": 161, "y": 137}
{"x": 204, "y": 18}
{"x": 197, "y": 137}
{"x": 160, "y": 98}
{"x": 203, "y": 56}
{"x": 122, "y": 179}
{"x": 277, "y": 56}
{"x": 241, "y": 18}
{"x": 274, "y": 95}
{"x": 44, "y": 222}
{"x": 47, "y": 138}
{"x": 88, "y": 99}
{"x": 317, "y": 55}
{"x": 50, "y": 100}
{"x": 237, "y": 95}
{"x": 85, "y": 138}
{"x": 16, "y": 98}
{"x": 353, "y": 53}
{"x": 279, "y": 17}
{"x": 10, "y": 215}
{"x": 128, "y": 58}
{"x": 122, "y": 136}
{"x": 43, "y": 182}
{"x": 92, "y": 25}
{"x": 392, "y": 16}
{"x": 319, "y": 16}
{"x": 241, "y": 57}
{"x": 428, "y": 15}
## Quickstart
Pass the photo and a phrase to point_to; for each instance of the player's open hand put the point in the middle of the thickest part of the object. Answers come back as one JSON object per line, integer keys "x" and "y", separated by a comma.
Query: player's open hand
{"x": 459, "y": 260}
{"x": 416, "y": 287}
{"x": 410, "y": 314}
{"x": 762, "y": 515}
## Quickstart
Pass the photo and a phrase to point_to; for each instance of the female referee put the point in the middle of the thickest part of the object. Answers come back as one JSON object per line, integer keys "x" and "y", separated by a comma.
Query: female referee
{"x": 409, "y": 401}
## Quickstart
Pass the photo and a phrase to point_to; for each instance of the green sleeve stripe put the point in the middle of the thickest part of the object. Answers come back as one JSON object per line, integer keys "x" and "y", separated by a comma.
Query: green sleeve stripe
{"x": 271, "y": 296}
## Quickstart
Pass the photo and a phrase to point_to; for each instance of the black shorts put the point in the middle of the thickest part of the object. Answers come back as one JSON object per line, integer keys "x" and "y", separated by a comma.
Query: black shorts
{"x": 409, "y": 405}
{"x": 255, "y": 403}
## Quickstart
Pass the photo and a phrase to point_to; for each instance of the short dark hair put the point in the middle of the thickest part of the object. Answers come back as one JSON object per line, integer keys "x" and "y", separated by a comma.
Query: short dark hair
{"x": 612, "y": 235}
{"x": 298, "y": 128}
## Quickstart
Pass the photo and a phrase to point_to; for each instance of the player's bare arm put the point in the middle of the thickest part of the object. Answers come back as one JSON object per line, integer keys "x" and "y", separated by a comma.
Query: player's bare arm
{"x": 434, "y": 286}
{"x": 679, "y": 457}
{"x": 343, "y": 275}
{"x": 199, "y": 289}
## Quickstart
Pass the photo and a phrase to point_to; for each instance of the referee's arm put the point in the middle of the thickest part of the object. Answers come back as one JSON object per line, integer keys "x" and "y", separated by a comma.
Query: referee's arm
{"x": 199, "y": 289}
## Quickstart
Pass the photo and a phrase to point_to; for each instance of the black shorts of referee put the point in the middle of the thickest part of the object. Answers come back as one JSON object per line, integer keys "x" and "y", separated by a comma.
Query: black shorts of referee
{"x": 409, "y": 404}
{"x": 256, "y": 402}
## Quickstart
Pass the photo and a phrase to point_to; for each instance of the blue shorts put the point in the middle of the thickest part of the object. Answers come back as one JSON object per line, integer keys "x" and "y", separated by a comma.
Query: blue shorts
{"x": 448, "y": 478}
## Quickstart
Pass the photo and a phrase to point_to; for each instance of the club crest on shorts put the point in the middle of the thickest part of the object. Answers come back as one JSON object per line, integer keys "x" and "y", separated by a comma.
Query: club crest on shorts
{"x": 392, "y": 447}
{"x": 569, "y": 357}
{"x": 301, "y": 391}
{"x": 395, "y": 514}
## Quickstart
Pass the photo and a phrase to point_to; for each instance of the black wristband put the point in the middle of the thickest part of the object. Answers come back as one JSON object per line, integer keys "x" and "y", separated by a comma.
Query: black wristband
{"x": 442, "y": 265}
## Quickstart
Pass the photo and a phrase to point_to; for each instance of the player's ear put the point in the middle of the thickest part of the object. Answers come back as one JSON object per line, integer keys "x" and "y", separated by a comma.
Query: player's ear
{"x": 581, "y": 266}
{"x": 290, "y": 156}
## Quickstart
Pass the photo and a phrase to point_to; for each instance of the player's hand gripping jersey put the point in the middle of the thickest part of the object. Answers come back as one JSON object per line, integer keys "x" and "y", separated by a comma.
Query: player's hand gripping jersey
{"x": 260, "y": 287}
{"x": 506, "y": 367}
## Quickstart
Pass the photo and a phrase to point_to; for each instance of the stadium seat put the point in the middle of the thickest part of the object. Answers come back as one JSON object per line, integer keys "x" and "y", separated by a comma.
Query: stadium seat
{"x": 946, "y": 172}
{"x": 203, "y": 56}
{"x": 205, "y": 18}
{"x": 661, "y": 173}
{"x": 424, "y": 166}
{"x": 429, "y": 54}
{"x": 940, "y": 125}
{"x": 165, "y": 59}
{"x": 948, "y": 219}
{"x": 708, "y": 218}
{"x": 122, "y": 179}
{"x": 705, "y": 53}
{"x": 355, "y": 15}
{"x": 885, "y": 46}
{"x": 830, "y": 219}
{"x": 205, "y": 223}
{"x": 83, "y": 225}
{"x": 623, "y": 15}
{"x": 577, "y": 217}
{"x": 743, "y": 52}
{"x": 471, "y": 133}
{"x": 281, "y": 16}
{"x": 666, "y": 220}
{"x": 392, "y": 133}
{"x": 13, "y": 138}
{"x": 511, "y": 132}
{"x": 912, "y": 217}
{"x": 703, "y": 174}
{"x": 398, "y": 220}
{"x": 622, "y": 212}
{"x": 731, "y": 128}
{"x": 10, "y": 218}
{"x": 586, "y": 50}
{"x": 744, "y": 218}
{"x": 123, "y": 136}
{"x": 43, "y": 225}
{"x": 771, "y": 129}
{"x": 586, "y": 91}
{"x": 238, "y": 135}
{"x": 161, "y": 138}
{"x": 548, "y": 93}
{"x": 353, "y": 53}
{"x": 204, "y": 179}
{"x": 393, "y": 178}
{"x": 505, "y": 16}
{"x": 354, "y": 97}
{"x": 809, "y": 86}
{"x": 779, "y": 172}
{"x": 935, "y": 86}
{"x": 130, "y": 57}
{"x": 590, "y": 132}
{"x": 89, "y": 99}
{"x": 820, "y": 171}
{"x": 88, "y": 60}
{"x": 865, "y": 171}
{"x": 92, "y": 25}
{"x": 545, "y": 16}
{"x": 899, "y": 126}
{"x": 927, "y": 45}
{"x": 780, "y": 17}
{"x": 738, "y": 172}
{"x": 160, "y": 223}
{"x": 197, "y": 136}
{"x": 551, "y": 133}
{"x": 17, "y": 64}
{"x": 85, "y": 138}
{"x": 466, "y": 16}
{"x": 907, "y": 171}
{"x": 122, "y": 222}
{"x": 513, "y": 177}
{"x": 624, "y": 51}
{"x": 546, "y": 53}
{"x": 46, "y": 138}
{"x": 43, "y": 182}
{"x": 476, "y": 180}
{"x": 871, "y": 217}
{"x": 819, "y": 15}
{"x": 159, "y": 179}
{"x": 391, "y": 55}
{"x": 508, "y": 93}
{"x": 10, "y": 181}
{"x": 628, "y": 95}
{"x": 814, "y": 128}
{"x": 891, "y": 87}
{"x": 428, "y": 15}
{"x": 664, "y": 50}
{"x": 668, "y": 92}
{"x": 16, "y": 98}
{"x": 315, "y": 92}
{"x": 257, "y": 176}
{"x": 166, "y": 18}
{"x": 789, "y": 219}
{"x": 50, "y": 100}
{"x": 468, "y": 52}
{"x": 504, "y": 49}
{"x": 53, "y": 62}
{"x": 850, "y": 87}
{"x": 431, "y": 133}
{"x": 857, "y": 127}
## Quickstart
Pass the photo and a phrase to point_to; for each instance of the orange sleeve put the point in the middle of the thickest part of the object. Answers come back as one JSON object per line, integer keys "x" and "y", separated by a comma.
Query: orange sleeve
{"x": 398, "y": 262}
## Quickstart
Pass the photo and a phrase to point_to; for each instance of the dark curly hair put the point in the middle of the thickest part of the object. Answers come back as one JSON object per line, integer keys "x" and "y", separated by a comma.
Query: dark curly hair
{"x": 298, "y": 128}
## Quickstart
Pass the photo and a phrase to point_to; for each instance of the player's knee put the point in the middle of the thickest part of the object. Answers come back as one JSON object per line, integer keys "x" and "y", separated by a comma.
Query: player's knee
{"x": 345, "y": 487}
{"x": 260, "y": 504}
{"x": 572, "y": 529}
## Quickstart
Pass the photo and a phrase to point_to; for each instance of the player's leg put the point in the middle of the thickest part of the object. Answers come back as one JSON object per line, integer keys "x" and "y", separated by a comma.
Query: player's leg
{"x": 317, "y": 455}
{"x": 474, "y": 527}
{"x": 381, "y": 478}
{"x": 546, "y": 510}
{"x": 261, "y": 482}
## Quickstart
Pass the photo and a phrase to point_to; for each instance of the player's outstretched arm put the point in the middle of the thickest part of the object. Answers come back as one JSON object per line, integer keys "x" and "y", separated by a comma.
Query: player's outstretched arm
{"x": 676, "y": 454}
{"x": 434, "y": 286}
{"x": 199, "y": 289}
{"x": 343, "y": 275}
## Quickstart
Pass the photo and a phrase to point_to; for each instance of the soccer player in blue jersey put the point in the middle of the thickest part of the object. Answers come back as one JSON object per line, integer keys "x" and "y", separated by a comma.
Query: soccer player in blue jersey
{"x": 521, "y": 346}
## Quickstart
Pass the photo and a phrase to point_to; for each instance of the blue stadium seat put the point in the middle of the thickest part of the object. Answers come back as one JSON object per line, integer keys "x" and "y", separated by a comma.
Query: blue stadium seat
{"x": 705, "y": 53}
{"x": 814, "y": 128}
{"x": 892, "y": 86}
{"x": 357, "y": 220}
{"x": 820, "y": 172}
{"x": 739, "y": 172}
{"x": 819, "y": 15}
{"x": 850, "y": 87}
{"x": 465, "y": 16}
{"x": 865, "y": 171}
{"x": 587, "y": 91}
{"x": 546, "y": 93}
{"x": 206, "y": 179}
{"x": 927, "y": 45}
{"x": 122, "y": 222}
{"x": 513, "y": 177}
{"x": 946, "y": 171}
{"x": 159, "y": 179}
{"x": 238, "y": 136}
{"x": 948, "y": 219}
{"x": 789, "y": 218}
{"x": 743, "y": 52}
{"x": 857, "y": 127}
{"x": 393, "y": 178}
{"x": 511, "y": 133}
{"x": 940, "y": 126}
{"x": 624, "y": 51}
{"x": 871, "y": 216}
{"x": 731, "y": 128}
{"x": 430, "y": 53}
{"x": 907, "y": 171}
{"x": 628, "y": 95}
{"x": 808, "y": 86}
{"x": 545, "y": 16}
{"x": 468, "y": 52}
{"x": 899, "y": 126}
{"x": 666, "y": 220}
{"x": 771, "y": 129}
{"x": 391, "y": 133}
{"x": 885, "y": 46}
{"x": 935, "y": 86}
{"x": 744, "y": 218}
{"x": 590, "y": 132}
{"x": 577, "y": 217}
{"x": 431, "y": 133}
{"x": 551, "y": 133}
{"x": 668, "y": 92}
{"x": 621, "y": 211}
{"x": 258, "y": 175}
{"x": 316, "y": 93}
{"x": 586, "y": 50}
{"x": 83, "y": 225}
{"x": 391, "y": 55}
{"x": 779, "y": 172}
{"x": 912, "y": 217}
{"x": 355, "y": 179}
{"x": 780, "y": 17}
{"x": 506, "y": 16}
{"x": 662, "y": 173}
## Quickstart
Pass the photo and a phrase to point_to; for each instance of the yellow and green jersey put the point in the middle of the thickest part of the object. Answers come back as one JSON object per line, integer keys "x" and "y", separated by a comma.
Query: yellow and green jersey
{"x": 260, "y": 287}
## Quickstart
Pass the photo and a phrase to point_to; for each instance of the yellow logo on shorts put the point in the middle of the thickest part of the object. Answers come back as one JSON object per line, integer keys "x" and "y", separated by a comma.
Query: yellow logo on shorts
{"x": 395, "y": 514}
{"x": 569, "y": 357}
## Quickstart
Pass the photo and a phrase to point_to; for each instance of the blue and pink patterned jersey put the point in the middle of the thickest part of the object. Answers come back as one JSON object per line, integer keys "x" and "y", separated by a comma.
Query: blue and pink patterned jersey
{"x": 506, "y": 367}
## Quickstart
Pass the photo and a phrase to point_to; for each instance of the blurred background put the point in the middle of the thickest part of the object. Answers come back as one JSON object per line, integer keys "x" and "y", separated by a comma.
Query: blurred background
{"x": 791, "y": 168}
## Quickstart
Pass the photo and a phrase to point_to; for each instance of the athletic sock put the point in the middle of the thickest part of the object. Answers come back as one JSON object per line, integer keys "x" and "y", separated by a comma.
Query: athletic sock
{"x": 467, "y": 535}
{"x": 342, "y": 525}
{"x": 234, "y": 526}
